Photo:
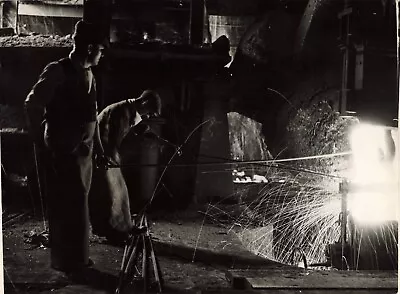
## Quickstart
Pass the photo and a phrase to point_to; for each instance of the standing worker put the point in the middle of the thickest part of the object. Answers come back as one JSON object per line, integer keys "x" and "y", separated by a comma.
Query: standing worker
{"x": 109, "y": 203}
{"x": 62, "y": 117}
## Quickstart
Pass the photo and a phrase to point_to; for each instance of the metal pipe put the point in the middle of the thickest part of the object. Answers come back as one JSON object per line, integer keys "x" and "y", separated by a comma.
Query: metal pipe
{"x": 230, "y": 161}
{"x": 271, "y": 163}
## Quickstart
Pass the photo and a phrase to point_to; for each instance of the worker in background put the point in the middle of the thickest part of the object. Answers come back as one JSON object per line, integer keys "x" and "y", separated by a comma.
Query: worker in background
{"x": 110, "y": 212}
{"x": 61, "y": 113}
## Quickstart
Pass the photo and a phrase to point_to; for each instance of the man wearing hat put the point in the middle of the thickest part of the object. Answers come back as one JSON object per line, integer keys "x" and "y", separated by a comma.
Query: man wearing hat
{"x": 61, "y": 111}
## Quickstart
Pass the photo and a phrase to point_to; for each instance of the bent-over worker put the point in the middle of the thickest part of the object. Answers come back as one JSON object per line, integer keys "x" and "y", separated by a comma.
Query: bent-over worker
{"x": 109, "y": 200}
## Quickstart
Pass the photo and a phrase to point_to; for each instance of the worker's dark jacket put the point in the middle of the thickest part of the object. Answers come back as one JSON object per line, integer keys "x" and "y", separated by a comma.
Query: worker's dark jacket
{"x": 69, "y": 112}
{"x": 69, "y": 128}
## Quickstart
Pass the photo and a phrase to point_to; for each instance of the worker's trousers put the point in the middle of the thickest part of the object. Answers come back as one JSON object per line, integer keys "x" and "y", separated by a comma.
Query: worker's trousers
{"x": 70, "y": 176}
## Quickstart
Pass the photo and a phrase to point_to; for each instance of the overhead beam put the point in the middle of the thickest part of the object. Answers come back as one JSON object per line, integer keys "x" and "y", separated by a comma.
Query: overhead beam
{"x": 305, "y": 23}
{"x": 50, "y": 10}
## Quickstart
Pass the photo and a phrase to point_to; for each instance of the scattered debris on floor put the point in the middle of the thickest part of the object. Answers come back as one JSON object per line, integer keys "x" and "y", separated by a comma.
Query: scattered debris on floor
{"x": 37, "y": 240}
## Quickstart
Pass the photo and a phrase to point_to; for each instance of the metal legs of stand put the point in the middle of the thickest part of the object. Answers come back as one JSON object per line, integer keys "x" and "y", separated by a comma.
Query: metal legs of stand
{"x": 140, "y": 271}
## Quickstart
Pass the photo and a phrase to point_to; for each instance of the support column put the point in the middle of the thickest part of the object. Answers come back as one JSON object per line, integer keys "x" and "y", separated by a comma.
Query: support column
{"x": 196, "y": 22}
{"x": 214, "y": 182}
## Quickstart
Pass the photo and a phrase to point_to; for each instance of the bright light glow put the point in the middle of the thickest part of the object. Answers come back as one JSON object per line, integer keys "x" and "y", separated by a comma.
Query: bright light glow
{"x": 372, "y": 208}
{"x": 374, "y": 174}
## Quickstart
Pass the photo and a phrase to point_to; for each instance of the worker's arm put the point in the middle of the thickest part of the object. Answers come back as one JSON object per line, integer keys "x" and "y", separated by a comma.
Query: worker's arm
{"x": 40, "y": 95}
{"x": 102, "y": 160}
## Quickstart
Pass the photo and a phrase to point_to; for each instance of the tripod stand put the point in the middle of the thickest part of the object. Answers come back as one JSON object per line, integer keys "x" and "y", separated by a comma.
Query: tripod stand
{"x": 139, "y": 268}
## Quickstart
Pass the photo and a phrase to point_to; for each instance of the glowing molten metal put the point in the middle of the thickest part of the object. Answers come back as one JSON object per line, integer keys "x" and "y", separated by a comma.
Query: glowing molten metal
{"x": 374, "y": 191}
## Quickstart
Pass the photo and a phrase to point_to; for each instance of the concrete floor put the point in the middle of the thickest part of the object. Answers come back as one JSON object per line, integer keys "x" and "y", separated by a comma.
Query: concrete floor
{"x": 195, "y": 256}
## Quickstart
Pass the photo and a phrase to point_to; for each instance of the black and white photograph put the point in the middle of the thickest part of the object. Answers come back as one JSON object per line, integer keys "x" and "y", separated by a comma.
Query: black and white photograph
{"x": 199, "y": 146}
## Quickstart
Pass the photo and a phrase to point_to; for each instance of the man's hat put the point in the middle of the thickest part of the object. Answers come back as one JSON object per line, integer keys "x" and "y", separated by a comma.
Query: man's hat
{"x": 151, "y": 100}
{"x": 90, "y": 33}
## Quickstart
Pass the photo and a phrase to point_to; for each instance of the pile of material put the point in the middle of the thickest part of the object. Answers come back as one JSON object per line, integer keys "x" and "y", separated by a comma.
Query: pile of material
{"x": 34, "y": 40}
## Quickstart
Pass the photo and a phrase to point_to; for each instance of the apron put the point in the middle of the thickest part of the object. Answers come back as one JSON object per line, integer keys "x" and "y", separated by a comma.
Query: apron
{"x": 110, "y": 213}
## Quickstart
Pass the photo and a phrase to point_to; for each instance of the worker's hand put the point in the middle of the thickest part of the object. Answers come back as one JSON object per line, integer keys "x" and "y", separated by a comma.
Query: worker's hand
{"x": 104, "y": 162}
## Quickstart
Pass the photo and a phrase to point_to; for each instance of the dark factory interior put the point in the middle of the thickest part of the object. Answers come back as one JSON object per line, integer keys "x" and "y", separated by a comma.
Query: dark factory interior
{"x": 272, "y": 168}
